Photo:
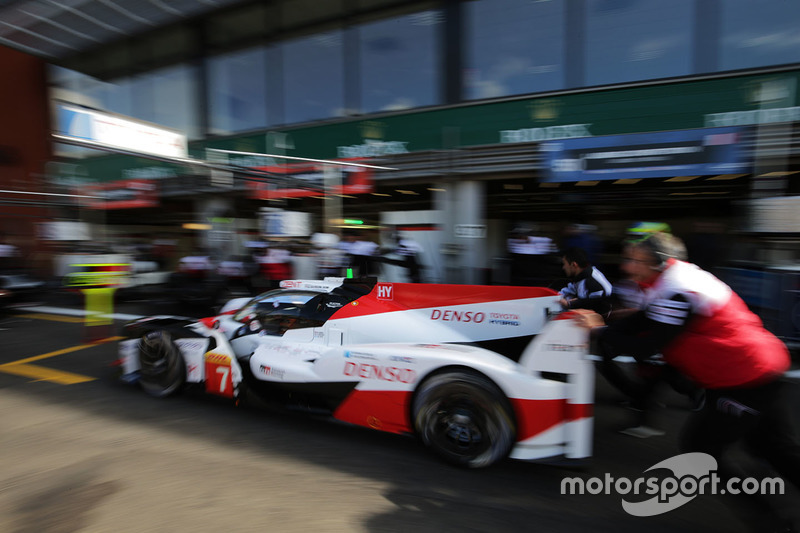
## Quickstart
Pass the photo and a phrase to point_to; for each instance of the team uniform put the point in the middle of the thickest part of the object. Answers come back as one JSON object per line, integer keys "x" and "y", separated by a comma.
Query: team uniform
{"x": 589, "y": 290}
{"x": 706, "y": 331}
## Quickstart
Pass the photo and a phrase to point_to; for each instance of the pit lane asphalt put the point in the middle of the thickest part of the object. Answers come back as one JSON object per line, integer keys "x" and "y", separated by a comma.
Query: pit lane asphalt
{"x": 100, "y": 456}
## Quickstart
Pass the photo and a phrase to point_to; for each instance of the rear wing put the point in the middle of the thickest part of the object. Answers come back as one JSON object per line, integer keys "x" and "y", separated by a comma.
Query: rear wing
{"x": 326, "y": 285}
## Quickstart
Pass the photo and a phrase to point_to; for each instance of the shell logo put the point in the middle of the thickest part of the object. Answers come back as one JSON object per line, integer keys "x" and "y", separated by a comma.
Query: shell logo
{"x": 216, "y": 358}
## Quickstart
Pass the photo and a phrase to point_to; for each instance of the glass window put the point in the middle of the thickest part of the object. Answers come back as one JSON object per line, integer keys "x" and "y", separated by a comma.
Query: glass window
{"x": 237, "y": 91}
{"x": 167, "y": 98}
{"x": 513, "y": 47}
{"x": 117, "y": 97}
{"x": 175, "y": 100}
{"x": 758, "y": 34}
{"x": 399, "y": 62}
{"x": 313, "y": 77}
{"x": 628, "y": 40}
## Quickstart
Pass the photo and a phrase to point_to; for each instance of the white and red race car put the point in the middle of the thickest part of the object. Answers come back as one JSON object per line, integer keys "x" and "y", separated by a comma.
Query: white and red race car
{"x": 477, "y": 372}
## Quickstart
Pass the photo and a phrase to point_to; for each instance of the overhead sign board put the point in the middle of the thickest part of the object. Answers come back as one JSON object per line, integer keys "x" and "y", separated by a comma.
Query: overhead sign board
{"x": 699, "y": 152}
{"x": 354, "y": 180}
{"x": 116, "y": 132}
{"x": 123, "y": 194}
{"x": 281, "y": 223}
{"x": 630, "y": 110}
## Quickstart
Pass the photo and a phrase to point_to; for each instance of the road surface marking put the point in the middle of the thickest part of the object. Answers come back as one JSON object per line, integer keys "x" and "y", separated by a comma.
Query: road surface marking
{"x": 54, "y": 318}
{"x": 75, "y": 312}
{"x": 40, "y": 373}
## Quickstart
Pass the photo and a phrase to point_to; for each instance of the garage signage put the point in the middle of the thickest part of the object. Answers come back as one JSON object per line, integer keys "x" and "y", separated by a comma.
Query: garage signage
{"x": 646, "y": 155}
{"x": 470, "y": 231}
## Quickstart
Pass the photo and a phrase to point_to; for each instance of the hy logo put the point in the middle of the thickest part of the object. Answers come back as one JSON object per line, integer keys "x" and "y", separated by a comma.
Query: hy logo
{"x": 384, "y": 291}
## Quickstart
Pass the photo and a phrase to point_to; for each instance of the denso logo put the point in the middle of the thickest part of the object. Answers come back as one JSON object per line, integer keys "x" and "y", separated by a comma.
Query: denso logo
{"x": 384, "y": 292}
{"x": 385, "y": 373}
{"x": 458, "y": 316}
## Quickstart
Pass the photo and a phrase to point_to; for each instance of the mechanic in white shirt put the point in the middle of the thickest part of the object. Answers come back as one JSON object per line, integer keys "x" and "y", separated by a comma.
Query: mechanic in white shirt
{"x": 361, "y": 253}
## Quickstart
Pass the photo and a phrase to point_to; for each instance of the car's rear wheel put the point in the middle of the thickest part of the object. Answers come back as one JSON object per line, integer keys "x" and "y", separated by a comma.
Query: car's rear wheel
{"x": 163, "y": 371}
{"x": 464, "y": 418}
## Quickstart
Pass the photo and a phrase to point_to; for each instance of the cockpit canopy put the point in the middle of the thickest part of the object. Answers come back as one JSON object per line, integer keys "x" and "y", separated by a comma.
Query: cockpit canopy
{"x": 276, "y": 311}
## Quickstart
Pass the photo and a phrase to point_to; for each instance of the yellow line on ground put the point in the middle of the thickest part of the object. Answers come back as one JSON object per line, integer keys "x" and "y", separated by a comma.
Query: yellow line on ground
{"x": 55, "y": 318}
{"x": 44, "y": 374}
{"x": 20, "y": 368}
{"x": 63, "y": 351}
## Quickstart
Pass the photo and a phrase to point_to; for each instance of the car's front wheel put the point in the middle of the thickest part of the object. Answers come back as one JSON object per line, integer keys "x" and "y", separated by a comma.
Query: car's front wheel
{"x": 163, "y": 371}
{"x": 464, "y": 418}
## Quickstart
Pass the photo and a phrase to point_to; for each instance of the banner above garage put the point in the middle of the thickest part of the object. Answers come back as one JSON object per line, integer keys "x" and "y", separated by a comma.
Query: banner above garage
{"x": 699, "y": 152}
{"x": 631, "y": 110}
{"x": 123, "y": 133}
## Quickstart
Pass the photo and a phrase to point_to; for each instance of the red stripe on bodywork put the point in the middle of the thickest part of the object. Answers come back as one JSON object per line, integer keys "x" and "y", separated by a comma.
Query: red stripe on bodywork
{"x": 387, "y": 297}
{"x": 537, "y": 416}
{"x": 388, "y": 411}
{"x": 383, "y": 410}
{"x": 566, "y": 315}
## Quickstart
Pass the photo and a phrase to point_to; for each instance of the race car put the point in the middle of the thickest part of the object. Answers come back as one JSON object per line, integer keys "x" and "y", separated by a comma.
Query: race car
{"x": 478, "y": 373}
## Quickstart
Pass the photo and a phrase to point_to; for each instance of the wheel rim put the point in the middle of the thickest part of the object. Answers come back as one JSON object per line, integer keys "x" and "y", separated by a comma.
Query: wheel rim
{"x": 462, "y": 419}
{"x": 460, "y": 428}
{"x": 161, "y": 373}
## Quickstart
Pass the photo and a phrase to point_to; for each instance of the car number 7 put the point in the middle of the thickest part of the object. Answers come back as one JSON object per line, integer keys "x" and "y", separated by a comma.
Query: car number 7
{"x": 224, "y": 370}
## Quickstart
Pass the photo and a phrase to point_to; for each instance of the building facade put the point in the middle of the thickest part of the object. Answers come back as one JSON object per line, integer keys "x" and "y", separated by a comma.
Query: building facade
{"x": 481, "y": 107}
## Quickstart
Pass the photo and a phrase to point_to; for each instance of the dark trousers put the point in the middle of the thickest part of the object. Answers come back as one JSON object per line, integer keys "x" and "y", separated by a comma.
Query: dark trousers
{"x": 641, "y": 385}
{"x": 765, "y": 419}
{"x": 412, "y": 266}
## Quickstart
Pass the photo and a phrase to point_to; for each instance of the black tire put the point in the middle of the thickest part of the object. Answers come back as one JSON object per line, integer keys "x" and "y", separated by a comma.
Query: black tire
{"x": 163, "y": 371}
{"x": 464, "y": 418}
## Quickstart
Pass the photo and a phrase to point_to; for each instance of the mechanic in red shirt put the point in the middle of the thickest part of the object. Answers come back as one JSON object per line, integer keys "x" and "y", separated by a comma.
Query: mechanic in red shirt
{"x": 706, "y": 331}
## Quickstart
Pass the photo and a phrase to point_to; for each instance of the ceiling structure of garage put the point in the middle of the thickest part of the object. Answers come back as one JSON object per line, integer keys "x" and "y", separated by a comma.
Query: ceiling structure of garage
{"x": 111, "y": 38}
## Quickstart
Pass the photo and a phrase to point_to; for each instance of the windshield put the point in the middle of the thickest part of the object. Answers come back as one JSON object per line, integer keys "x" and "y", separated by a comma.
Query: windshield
{"x": 278, "y": 299}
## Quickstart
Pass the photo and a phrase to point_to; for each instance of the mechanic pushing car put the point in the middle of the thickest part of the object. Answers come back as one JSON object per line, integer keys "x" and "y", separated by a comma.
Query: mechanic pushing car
{"x": 588, "y": 287}
{"x": 706, "y": 331}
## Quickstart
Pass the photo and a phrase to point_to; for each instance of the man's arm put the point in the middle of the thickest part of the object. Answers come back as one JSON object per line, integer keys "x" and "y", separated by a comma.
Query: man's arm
{"x": 648, "y": 331}
{"x": 598, "y": 297}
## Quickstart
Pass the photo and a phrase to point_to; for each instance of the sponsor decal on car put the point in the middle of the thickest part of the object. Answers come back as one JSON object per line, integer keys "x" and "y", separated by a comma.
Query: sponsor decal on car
{"x": 384, "y": 291}
{"x": 379, "y": 372}
{"x": 217, "y": 358}
{"x": 504, "y": 319}
{"x": 566, "y": 347}
{"x": 401, "y": 359}
{"x": 272, "y": 371}
{"x": 359, "y": 355}
{"x": 294, "y": 350}
{"x": 448, "y": 315}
